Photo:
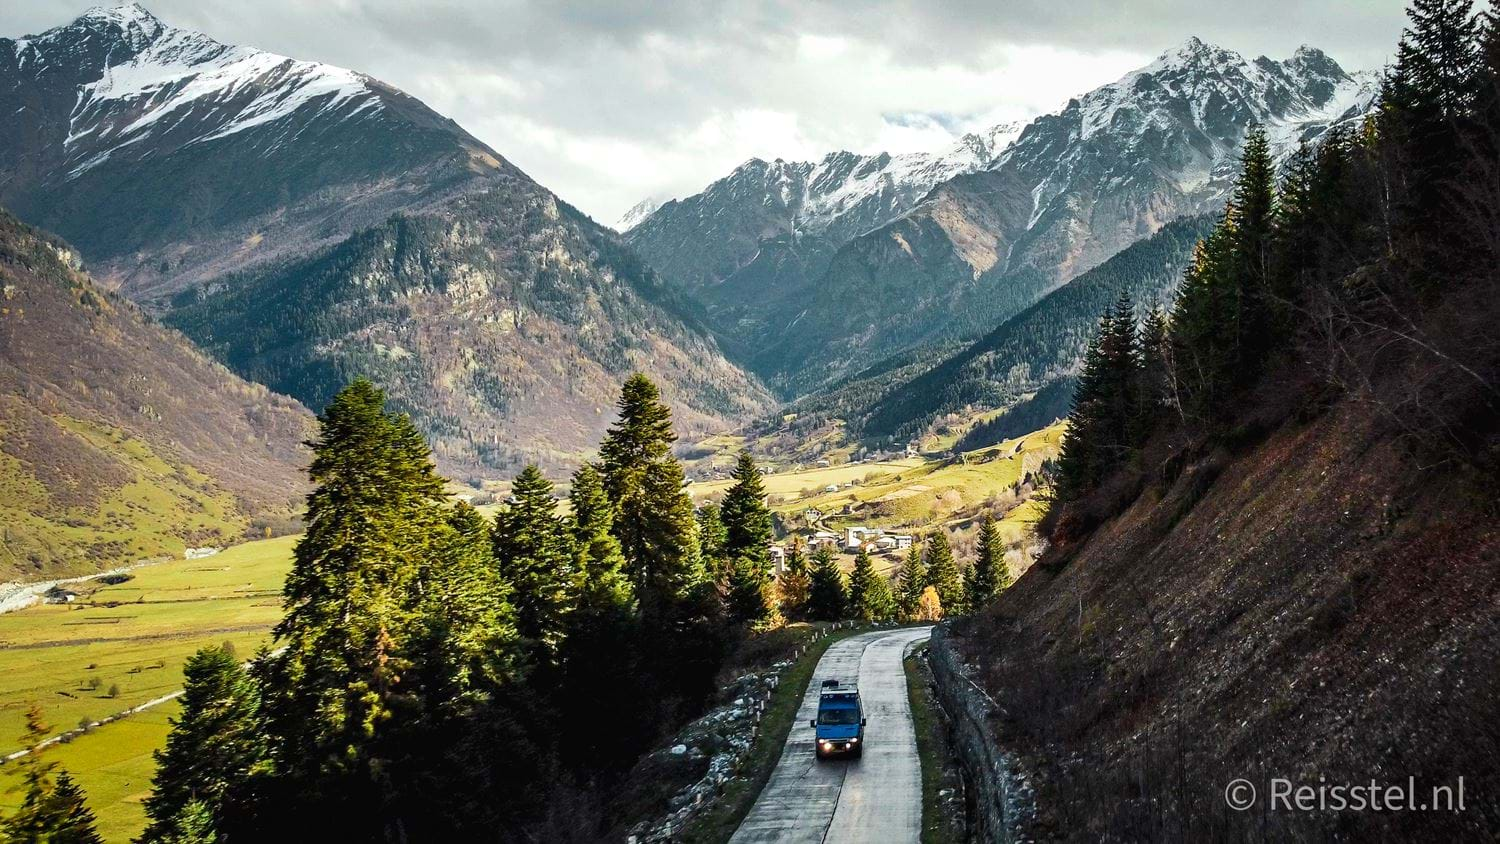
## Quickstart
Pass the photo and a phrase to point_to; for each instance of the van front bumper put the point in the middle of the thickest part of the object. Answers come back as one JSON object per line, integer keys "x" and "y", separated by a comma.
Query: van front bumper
{"x": 837, "y": 747}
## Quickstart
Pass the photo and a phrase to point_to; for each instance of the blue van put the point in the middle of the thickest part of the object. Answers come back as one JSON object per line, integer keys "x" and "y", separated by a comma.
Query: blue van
{"x": 839, "y": 729}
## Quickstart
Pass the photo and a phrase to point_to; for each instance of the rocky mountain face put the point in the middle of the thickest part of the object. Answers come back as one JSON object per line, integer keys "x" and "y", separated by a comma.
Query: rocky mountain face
{"x": 119, "y": 440}
{"x": 1073, "y": 188}
{"x": 504, "y": 323}
{"x": 751, "y": 242}
{"x": 309, "y": 224}
{"x": 168, "y": 157}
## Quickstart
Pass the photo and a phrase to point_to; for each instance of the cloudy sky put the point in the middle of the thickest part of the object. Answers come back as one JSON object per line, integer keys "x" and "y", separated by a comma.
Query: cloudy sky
{"x": 609, "y": 103}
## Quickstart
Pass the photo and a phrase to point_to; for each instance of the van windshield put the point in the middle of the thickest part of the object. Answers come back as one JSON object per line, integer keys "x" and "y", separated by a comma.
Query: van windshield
{"x": 838, "y": 717}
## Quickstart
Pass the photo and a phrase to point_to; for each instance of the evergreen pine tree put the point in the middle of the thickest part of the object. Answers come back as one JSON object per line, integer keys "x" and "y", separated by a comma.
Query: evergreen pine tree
{"x": 217, "y": 745}
{"x": 870, "y": 597}
{"x": 534, "y": 553}
{"x": 910, "y": 581}
{"x": 1438, "y": 78}
{"x": 1155, "y": 391}
{"x": 333, "y": 689}
{"x": 654, "y": 518}
{"x": 712, "y": 539}
{"x": 468, "y": 642}
{"x": 989, "y": 574}
{"x": 1201, "y": 353}
{"x": 860, "y": 580}
{"x": 1253, "y": 306}
{"x": 194, "y": 824}
{"x": 751, "y": 594}
{"x": 1078, "y": 467}
{"x": 828, "y": 597}
{"x": 1106, "y": 422}
{"x": 943, "y": 574}
{"x": 599, "y": 658}
{"x": 747, "y": 520}
{"x": 598, "y": 562}
{"x": 794, "y": 585}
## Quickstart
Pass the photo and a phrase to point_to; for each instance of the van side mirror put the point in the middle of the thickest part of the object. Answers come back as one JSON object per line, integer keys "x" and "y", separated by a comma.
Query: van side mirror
{"x": 813, "y": 723}
{"x": 864, "y": 721}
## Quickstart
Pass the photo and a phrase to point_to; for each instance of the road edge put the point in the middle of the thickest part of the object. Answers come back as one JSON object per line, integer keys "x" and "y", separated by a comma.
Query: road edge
{"x": 719, "y": 823}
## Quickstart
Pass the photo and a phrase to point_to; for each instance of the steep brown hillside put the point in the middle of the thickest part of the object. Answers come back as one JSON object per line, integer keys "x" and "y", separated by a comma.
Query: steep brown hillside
{"x": 1323, "y": 607}
{"x": 118, "y": 439}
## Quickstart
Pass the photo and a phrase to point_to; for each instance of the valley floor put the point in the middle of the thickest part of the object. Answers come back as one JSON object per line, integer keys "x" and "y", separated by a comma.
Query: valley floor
{"x": 130, "y": 639}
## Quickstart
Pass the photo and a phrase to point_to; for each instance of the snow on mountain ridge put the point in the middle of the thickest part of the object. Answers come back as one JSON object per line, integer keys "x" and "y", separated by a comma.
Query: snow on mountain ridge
{"x": 189, "y": 85}
{"x": 818, "y": 195}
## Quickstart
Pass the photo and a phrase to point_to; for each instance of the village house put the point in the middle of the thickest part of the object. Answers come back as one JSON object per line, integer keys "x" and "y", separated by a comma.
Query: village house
{"x": 876, "y": 540}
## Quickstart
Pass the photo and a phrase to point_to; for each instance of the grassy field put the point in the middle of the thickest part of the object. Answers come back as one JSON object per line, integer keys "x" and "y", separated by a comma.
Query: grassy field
{"x": 913, "y": 494}
{"x": 933, "y": 491}
{"x": 781, "y": 486}
{"x": 132, "y": 637}
{"x": 106, "y": 499}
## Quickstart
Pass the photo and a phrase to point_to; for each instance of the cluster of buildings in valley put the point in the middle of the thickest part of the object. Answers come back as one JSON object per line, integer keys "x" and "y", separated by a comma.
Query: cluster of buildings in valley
{"x": 851, "y": 540}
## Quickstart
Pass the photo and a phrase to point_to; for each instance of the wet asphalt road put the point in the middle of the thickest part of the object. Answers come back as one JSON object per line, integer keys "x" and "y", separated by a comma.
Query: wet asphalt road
{"x": 874, "y": 799}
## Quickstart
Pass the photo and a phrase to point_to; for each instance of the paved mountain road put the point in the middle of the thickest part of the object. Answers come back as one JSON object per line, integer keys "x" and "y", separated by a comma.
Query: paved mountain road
{"x": 877, "y": 798}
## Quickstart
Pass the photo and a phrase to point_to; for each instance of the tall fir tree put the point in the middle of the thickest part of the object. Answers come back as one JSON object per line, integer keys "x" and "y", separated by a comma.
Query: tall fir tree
{"x": 712, "y": 539}
{"x": 943, "y": 574}
{"x": 468, "y": 641}
{"x": 747, "y": 519}
{"x": 1202, "y": 358}
{"x": 654, "y": 518}
{"x": 216, "y": 748}
{"x": 828, "y": 596}
{"x": 1438, "y": 77}
{"x": 752, "y": 599}
{"x": 870, "y": 597}
{"x": 1254, "y": 205}
{"x": 598, "y": 562}
{"x": 1105, "y": 424}
{"x": 910, "y": 581}
{"x": 1155, "y": 392}
{"x": 333, "y": 689}
{"x": 599, "y": 653}
{"x": 534, "y": 553}
{"x": 794, "y": 585}
{"x": 989, "y": 574}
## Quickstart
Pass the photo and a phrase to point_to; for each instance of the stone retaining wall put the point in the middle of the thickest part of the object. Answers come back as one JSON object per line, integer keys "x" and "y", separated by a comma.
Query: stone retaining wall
{"x": 1002, "y": 803}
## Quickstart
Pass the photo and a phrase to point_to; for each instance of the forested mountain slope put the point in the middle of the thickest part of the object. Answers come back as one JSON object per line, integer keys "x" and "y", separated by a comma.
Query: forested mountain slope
{"x": 309, "y": 224}
{"x": 118, "y": 439}
{"x": 1274, "y": 544}
{"x": 1043, "y": 344}
{"x": 502, "y": 323}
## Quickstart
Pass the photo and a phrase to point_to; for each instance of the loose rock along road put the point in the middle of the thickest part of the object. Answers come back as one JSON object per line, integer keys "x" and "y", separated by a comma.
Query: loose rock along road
{"x": 877, "y": 798}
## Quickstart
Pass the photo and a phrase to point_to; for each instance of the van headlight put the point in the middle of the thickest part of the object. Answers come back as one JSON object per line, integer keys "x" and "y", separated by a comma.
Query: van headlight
{"x": 854, "y": 741}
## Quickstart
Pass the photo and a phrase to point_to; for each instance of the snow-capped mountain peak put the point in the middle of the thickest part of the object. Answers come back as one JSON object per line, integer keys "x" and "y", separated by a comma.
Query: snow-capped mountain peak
{"x": 125, "y": 133}
{"x": 132, "y": 19}
{"x": 638, "y": 212}
{"x": 843, "y": 194}
{"x": 143, "y": 83}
